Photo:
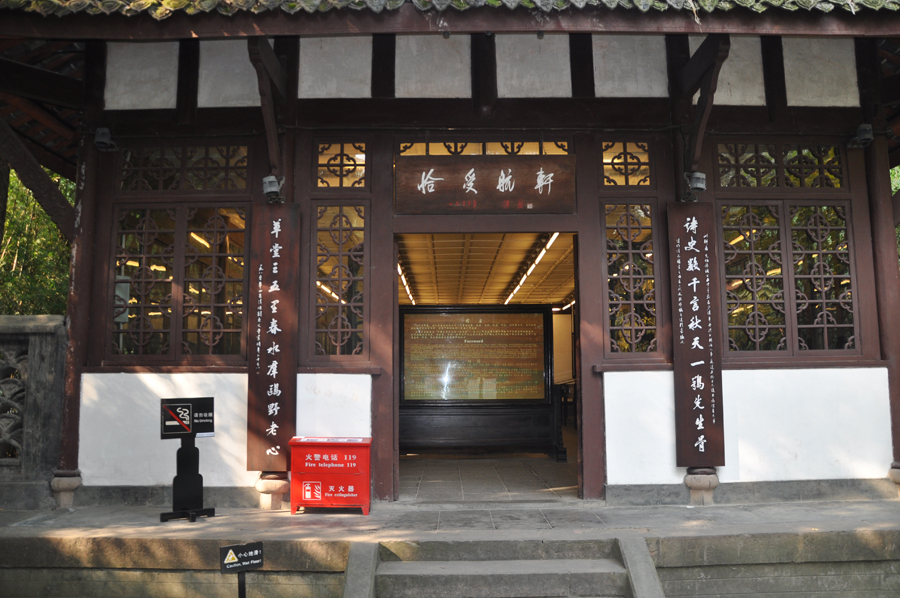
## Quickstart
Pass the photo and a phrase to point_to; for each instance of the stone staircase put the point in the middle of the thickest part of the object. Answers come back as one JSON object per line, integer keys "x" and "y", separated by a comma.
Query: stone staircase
{"x": 510, "y": 569}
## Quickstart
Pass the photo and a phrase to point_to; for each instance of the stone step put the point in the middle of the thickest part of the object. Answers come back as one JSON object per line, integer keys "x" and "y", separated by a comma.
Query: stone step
{"x": 501, "y": 579}
{"x": 499, "y": 550}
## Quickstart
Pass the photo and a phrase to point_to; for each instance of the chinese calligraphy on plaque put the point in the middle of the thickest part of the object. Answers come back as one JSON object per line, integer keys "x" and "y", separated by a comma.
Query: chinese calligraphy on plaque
{"x": 697, "y": 336}
{"x": 485, "y": 184}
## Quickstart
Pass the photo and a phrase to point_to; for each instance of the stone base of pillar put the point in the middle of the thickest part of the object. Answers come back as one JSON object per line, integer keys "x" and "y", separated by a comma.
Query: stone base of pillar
{"x": 272, "y": 486}
{"x": 63, "y": 485}
{"x": 701, "y": 481}
{"x": 894, "y": 475}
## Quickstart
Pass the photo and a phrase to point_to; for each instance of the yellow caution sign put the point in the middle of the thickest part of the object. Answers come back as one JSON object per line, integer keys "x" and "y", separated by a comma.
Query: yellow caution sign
{"x": 230, "y": 558}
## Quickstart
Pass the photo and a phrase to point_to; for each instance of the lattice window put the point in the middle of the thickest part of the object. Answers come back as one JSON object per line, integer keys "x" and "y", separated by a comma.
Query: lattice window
{"x": 144, "y": 273}
{"x": 485, "y": 148}
{"x": 780, "y": 165}
{"x": 340, "y": 277}
{"x": 754, "y": 283}
{"x": 214, "y": 281}
{"x": 184, "y": 168}
{"x": 179, "y": 274}
{"x": 631, "y": 279}
{"x": 13, "y": 376}
{"x": 626, "y": 164}
{"x": 341, "y": 165}
{"x": 807, "y": 305}
{"x": 822, "y": 283}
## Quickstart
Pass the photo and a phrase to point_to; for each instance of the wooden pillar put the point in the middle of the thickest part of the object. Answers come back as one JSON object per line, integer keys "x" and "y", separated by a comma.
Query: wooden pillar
{"x": 382, "y": 286}
{"x": 79, "y": 302}
{"x": 591, "y": 337}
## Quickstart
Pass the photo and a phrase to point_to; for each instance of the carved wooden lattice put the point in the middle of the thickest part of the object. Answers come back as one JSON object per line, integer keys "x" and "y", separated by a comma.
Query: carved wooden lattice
{"x": 213, "y": 281}
{"x": 753, "y": 277}
{"x": 13, "y": 377}
{"x": 485, "y": 148}
{"x": 780, "y": 165}
{"x": 631, "y": 278}
{"x": 341, "y": 165}
{"x": 817, "y": 311}
{"x": 340, "y": 277}
{"x": 626, "y": 164}
{"x": 187, "y": 261}
{"x": 187, "y": 168}
{"x": 144, "y": 271}
{"x": 820, "y": 254}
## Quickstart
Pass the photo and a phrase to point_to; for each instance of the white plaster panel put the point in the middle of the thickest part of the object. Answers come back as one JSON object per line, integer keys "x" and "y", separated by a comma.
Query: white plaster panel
{"x": 141, "y": 76}
{"x": 528, "y": 67}
{"x": 336, "y": 67}
{"x": 119, "y": 429}
{"x": 741, "y": 81}
{"x": 429, "y": 66}
{"x": 820, "y": 71}
{"x": 811, "y": 424}
{"x": 779, "y": 425}
{"x": 630, "y": 66}
{"x": 334, "y": 405}
{"x": 227, "y": 77}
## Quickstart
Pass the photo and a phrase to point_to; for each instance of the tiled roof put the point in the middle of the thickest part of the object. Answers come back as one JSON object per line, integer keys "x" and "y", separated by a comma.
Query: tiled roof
{"x": 160, "y": 9}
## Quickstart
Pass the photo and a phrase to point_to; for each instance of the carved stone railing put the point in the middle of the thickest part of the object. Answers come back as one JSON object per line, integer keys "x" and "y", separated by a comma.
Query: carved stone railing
{"x": 32, "y": 364}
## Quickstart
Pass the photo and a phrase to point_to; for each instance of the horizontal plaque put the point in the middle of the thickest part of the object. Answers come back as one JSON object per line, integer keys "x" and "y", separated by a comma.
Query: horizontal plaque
{"x": 485, "y": 185}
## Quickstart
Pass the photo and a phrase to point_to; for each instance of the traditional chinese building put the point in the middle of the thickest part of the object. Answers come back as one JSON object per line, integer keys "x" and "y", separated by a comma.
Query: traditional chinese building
{"x": 428, "y": 223}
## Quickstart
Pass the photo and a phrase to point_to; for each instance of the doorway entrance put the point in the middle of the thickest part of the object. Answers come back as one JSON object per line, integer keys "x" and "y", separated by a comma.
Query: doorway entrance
{"x": 487, "y": 379}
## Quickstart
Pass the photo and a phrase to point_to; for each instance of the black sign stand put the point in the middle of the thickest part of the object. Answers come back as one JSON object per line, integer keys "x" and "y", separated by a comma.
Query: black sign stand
{"x": 185, "y": 419}
{"x": 187, "y": 487}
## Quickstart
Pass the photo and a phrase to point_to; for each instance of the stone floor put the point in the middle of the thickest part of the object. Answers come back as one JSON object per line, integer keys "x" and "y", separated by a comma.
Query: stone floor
{"x": 432, "y": 478}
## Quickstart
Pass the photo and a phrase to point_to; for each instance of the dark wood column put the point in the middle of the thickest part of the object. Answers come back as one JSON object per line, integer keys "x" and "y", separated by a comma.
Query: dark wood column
{"x": 382, "y": 286}
{"x": 80, "y": 273}
{"x": 884, "y": 241}
{"x": 591, "y": 336}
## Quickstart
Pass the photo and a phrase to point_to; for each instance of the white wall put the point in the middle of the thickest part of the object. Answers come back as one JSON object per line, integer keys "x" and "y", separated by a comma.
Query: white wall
{"x": 528, "y": 67}
{"x": 141, "y": 76}
{"x": 429, "y": 66}
{"x": 334, "y": 405}
{"x": 779, "y": 425}
{"x": 119, "y": 429}
{"x": 227, "y": 77}
{"x": 336, "y": 67}
{"x": 741, "y": 80}
{"x": 820, "y": 71}
{"x": 630, "y": 66}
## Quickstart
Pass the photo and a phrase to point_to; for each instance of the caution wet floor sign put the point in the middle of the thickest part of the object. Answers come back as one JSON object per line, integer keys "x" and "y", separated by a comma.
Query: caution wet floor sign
{"x": 241, "y": 557}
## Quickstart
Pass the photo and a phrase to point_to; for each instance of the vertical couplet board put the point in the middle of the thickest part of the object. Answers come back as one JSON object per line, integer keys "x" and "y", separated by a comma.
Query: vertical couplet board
{"x": 272, "y": 385}
{"x": 697, "y": 331}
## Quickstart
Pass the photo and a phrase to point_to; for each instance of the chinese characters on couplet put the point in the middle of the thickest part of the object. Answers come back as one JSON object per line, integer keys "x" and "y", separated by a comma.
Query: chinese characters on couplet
{"x": 696, "y": 352}
{"x": 272, "y": 352}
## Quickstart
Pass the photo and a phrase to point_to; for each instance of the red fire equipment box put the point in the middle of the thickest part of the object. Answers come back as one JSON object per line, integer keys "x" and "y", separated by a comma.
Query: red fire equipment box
{"x": 330, "y": 472}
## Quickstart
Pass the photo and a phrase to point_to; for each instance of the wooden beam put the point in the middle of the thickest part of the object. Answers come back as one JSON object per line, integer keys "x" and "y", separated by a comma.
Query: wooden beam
{"x": 47, "y": 119}
{"x": 895, "y": 206}
{"x": 707, "y": 86}
{"x": 773, "y": 77}
{"x": 188, "y": 77}
{"x": 41, "y": 85}
{"x": 701, "y": 61}
{"x": 408, "y": 19}
{"x": 581, "y": 63}
{"x": 267, "y": 103}
{"x": 29, "y": 171}
{"x": 273, "y": 66}
{"x": 384, "y": 58}
{"x": 51, "y": 160}
{"x": 484, "y": 74}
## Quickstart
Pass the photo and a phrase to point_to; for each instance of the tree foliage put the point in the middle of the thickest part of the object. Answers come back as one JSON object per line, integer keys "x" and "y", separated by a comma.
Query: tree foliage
{"x": 34, "y": 255}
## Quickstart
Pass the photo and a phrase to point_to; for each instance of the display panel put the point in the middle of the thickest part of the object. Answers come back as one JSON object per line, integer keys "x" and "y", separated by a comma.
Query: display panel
{"x": 474, "y": 355}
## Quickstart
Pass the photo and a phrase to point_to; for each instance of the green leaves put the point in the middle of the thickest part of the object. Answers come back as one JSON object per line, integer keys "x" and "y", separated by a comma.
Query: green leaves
{"x": 34, "y": 256}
